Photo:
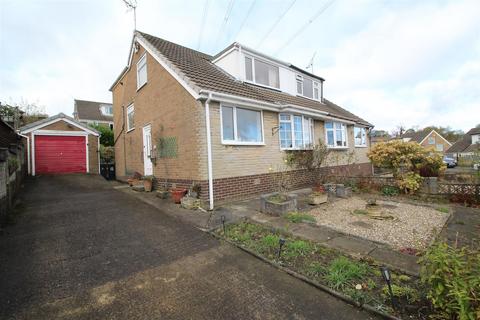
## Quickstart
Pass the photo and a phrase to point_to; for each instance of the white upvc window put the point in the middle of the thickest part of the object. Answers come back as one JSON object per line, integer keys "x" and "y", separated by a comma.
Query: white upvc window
{"x": 107, "y": 110}
{"x": 360, "y": 137}
{"x": 439, "y": 147}
{"x": 296, "y": 132}
{"x": 308, "y": 88}
{"x": 241, "y": 126}
{"x": 336, "y": 134}
{"x": 130, "y": 117}
{"x": 142, "y": 71}
{"x": 261, "y": 72}
{"x": 431, "y": 140}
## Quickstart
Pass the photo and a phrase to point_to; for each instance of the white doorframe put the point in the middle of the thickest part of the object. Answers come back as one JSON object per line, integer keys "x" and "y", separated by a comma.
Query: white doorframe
{"x": 147, "y": 149}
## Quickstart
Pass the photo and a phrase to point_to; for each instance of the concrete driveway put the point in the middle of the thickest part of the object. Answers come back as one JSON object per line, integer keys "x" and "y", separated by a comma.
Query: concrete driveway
{"x": 82, "y": 250}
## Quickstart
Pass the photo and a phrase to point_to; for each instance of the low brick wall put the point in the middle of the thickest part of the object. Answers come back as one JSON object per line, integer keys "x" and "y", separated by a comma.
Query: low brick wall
{"x": 246, "y": 186}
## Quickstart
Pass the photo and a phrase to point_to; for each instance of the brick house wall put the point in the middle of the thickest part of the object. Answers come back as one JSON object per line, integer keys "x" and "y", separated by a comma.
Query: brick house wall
{"x": 238, "y": 171}
{"x": 172, "y": 113}
{"x": 437, "y": 141}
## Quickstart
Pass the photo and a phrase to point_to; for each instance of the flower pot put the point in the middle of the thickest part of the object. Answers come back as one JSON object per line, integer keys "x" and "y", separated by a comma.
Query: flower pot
{"x": 148, "y": 184}
{"x": 317, "y": 198}
{"x": 178, "y": 194}
{"x": 319, "y": 188}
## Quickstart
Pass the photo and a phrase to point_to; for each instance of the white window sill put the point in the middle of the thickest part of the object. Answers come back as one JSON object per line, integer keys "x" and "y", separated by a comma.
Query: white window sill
{"x": 361, "y": 146}
{"x": 143, "y": 85}
{"x": 302, "y": 96}
{"x": 131, "y": 129}
{"x": 241, "y": 143}
{"x": 263, "y": 85}
{"x": 338, "y": 148}
{"x": 295, "y": 149}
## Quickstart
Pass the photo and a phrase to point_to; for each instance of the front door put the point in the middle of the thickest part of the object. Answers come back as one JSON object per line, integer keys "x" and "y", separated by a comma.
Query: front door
{"x": 147, "y": 149}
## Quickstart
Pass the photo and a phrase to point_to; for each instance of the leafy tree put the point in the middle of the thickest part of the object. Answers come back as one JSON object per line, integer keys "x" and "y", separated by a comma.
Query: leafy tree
{"x": 447, "y": 132}
{"x": 21, "y": 113}
{"x": 106, "y": 135}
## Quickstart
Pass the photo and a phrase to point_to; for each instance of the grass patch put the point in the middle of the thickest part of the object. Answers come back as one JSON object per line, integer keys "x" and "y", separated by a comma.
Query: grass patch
{"x": 443, "y": 210}
{"x": 277, "y": 198}
{"x": 296, "y": 217}
{"x": 342, "y": 272}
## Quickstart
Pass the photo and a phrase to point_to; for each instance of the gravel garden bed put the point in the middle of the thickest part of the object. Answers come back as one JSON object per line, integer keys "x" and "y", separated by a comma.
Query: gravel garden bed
{"x": 397, "y": 224}
{"x": 361, "y": 280}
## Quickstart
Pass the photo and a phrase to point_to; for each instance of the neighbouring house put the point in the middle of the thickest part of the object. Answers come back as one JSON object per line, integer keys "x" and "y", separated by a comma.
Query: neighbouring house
{"x": 427, "y": 139}
{"x": 59, "y": 144}
{"x": 467, "y": 146}
{"x": 93, "y": 113}
{"x": 12, "y": 165}
{"x": 224, "y": 122}
{"x": 379, "y": 136}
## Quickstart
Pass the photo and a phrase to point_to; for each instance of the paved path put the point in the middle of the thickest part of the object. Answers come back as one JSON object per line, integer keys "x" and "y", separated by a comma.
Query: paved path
{"x": 82, "y": 250}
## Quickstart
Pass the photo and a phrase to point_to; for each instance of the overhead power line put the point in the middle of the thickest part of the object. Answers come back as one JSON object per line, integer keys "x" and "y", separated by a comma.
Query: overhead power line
{"x": 202, "y": 24}
{"x": 275, "y": 24}
{"x": 225, "y": 20}
{"x": 313, "y": 18}
{"x": 246, "y": 17}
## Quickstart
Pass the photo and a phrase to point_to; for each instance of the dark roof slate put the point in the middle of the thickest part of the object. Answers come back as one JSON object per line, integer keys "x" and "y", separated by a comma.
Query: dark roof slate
{"x": 202, "y": 72}
{"x": 90, "y": 110}
{"x": 465, "y": 144}
{"x": 416, "y": 136}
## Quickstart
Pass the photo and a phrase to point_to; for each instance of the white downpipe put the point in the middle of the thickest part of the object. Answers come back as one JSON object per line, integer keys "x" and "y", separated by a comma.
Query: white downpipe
{"x": 28, "y": 152}
{"x": 209, "y": 151}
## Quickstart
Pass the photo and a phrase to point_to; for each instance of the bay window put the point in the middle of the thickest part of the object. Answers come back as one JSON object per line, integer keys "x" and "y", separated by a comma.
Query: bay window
{"x": 308, "y": 88}
{"x": 241, "y": 126}
{"x": 260, "y": 72}
{"x": 296, "y": 132}
{"x": 360, "y": 137}
{"x": 336, "y": 134}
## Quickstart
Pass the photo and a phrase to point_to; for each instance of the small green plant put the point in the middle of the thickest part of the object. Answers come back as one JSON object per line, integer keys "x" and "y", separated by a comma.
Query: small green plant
{"x": 316, "y": 269}
{"x": 360, "y": 211}
{"x": 443, "y": 210}
{"x": 296, "y": 217}
{"x": 405, "y": 292}
{"x": 343, "y": 271}
{"x": 403, "y": 278}
{"x": 453, "y": 278}
{"x": 298, "y": 248}
{"x": 390, "y": 191}
{"x": 269, "y": 242}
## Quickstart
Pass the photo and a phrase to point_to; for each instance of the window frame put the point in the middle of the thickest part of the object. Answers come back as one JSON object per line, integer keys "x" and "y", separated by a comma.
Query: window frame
{"x": 311, "y": 124}
{"x": 335, "y": 134}
{"x": 431, "y": 140}
{"x": 254, "y": 80}
{"x": 364, "y": 130}
{"x": 143, "y": 59}
{"x": 130, "y": 108}
{"x": 235, "y": 129}
{"x": 315, "y": 85}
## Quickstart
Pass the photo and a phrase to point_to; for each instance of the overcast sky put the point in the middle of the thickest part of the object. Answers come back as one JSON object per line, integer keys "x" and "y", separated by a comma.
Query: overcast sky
{"x": 415, "y": 63}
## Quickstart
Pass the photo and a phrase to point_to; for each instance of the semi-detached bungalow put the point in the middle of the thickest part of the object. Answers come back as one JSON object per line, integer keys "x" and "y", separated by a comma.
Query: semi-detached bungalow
{"x": 224, "y": 121}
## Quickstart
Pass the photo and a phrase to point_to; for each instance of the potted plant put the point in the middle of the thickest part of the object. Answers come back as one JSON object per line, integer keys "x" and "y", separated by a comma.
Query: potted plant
{"x": 177, "y": 194}
{"x": 134, "y": 179}
{"x": 148, "y": 183}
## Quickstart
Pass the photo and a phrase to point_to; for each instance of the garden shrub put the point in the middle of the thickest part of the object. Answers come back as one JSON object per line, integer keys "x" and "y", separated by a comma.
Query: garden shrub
{"x": 390, "y": 190}
{"x": 409, "y": 294}
{"x": 410, "y": 182}
{"x": 453, "y": 279}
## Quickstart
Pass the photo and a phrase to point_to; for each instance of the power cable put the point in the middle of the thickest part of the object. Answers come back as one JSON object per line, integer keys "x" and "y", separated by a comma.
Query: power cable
{"x": 202, "y": 25}
{"x": 313, "y": 18}
{"x": 275, "y": 24}
{"x": 245, "y": 19}
{"x": 225, "y": 20}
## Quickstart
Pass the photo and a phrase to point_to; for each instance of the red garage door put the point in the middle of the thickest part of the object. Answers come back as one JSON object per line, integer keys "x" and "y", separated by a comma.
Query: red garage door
{"x": 60, "y": 154}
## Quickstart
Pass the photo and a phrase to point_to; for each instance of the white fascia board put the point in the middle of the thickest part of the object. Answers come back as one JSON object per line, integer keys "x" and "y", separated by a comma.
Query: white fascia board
{"x": 59, "y": 133}
{"x": 56, "y": 120}
{"x": 438, "y": 134}
{"x": 234, "y": 47}
{"x": 167, "y": 65}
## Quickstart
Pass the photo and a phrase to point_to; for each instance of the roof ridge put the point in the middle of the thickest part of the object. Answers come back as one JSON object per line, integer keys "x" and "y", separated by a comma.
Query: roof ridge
{"x": 143, "y": 34}
{"x": 92, "y": 101}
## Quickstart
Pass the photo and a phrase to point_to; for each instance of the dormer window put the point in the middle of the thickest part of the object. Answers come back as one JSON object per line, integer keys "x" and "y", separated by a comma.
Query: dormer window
{"x": 106, "y": 110}
{"x": 262, "y": 73}
{"x": 308, "y": 88}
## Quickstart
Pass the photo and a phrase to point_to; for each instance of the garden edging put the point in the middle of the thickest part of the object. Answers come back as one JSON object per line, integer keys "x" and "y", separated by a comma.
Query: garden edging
{"x": 315, "y": 284}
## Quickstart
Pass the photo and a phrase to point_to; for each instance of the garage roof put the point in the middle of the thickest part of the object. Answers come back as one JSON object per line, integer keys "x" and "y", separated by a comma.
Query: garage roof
{"x": 59, "y": 117}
